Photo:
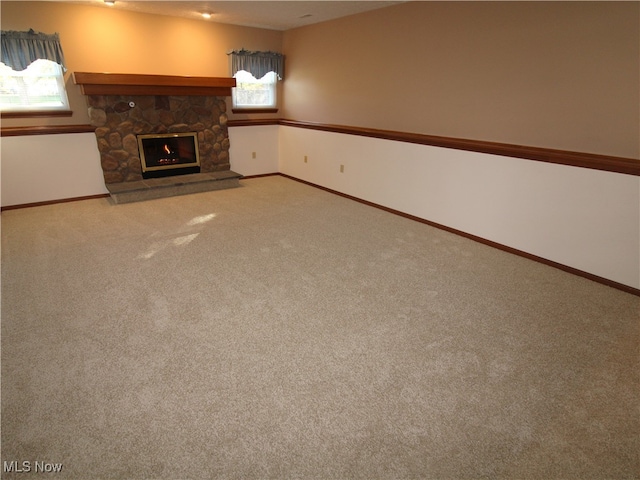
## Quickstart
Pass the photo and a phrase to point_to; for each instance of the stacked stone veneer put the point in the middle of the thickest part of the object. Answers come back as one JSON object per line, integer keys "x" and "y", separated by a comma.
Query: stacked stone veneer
{"x": 117, "y": 123}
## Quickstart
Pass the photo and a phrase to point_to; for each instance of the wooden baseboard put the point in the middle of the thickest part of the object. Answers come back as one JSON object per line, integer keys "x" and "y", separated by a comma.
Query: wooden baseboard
{"x": 249, "y": 177}
{"x": 102, "y": 195}
{"x": 505, "y": 248}
{"x": 499, "y": 246}
{"x": 53, "y": 202}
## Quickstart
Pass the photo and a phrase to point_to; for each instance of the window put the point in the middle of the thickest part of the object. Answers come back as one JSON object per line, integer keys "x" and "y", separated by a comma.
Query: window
{"x": 256, "y": 75}
{"x": 40, "y": 87}
{"x": 251, "y": 93}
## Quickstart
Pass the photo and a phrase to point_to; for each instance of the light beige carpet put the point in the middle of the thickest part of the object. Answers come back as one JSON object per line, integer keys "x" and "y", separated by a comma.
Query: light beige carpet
{"x": 280, "y": 331}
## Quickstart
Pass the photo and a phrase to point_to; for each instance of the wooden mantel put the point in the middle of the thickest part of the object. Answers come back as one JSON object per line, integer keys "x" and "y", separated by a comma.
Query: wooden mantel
{"x": 133, "y": 84}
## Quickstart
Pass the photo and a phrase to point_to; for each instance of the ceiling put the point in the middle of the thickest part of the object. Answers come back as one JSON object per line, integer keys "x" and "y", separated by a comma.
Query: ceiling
{"x": 274, "y": 15}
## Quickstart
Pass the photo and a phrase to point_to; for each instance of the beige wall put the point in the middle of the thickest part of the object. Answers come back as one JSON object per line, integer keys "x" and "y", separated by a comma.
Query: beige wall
{"x": 549, "y": 74}
{"x": 559, "y": 75}
{"x": 103, "y": 39}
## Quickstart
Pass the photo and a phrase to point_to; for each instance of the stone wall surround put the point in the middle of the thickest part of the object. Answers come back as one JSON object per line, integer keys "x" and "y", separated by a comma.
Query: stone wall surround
{"x": 117, "y": 124}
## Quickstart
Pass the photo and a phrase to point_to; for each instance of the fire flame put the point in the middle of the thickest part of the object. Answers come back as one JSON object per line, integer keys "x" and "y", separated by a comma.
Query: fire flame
{"x": 166, "y": 148}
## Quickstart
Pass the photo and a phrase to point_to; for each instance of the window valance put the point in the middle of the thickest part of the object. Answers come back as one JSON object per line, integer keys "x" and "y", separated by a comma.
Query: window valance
{"x": 257, "y": 64}
{"x": 21, "y": 49}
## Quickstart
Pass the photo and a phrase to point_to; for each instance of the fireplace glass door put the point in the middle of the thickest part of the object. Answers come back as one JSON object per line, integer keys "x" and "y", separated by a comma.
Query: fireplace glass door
{"x": 169, "y": 154}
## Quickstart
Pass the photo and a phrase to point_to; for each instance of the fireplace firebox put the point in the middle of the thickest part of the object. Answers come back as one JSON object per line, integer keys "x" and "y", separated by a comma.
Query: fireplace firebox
{"x": 169, "y": 154}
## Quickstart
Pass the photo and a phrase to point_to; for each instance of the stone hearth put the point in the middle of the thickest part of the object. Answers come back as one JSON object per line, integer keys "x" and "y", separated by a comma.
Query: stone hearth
{"x": 127, "y": 192}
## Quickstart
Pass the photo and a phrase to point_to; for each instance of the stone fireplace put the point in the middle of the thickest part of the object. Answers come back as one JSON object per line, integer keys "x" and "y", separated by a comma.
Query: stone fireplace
{"x": 119, "y": 119}
{"x": 124, "y": 108}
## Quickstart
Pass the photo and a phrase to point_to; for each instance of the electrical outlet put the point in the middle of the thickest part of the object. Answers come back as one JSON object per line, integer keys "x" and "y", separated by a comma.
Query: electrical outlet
{"x": 341, "y": 168}
{"x": 253, "y": 154}
{"x": 305, "y": 159}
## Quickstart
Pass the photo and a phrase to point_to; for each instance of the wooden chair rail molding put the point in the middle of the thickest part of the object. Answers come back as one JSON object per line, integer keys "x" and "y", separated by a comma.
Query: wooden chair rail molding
{"x": 45, "y": 130}
{"x": 134, "y": 84}
{"x": 629, "y": 166}
{"x": 37, "y": 113}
